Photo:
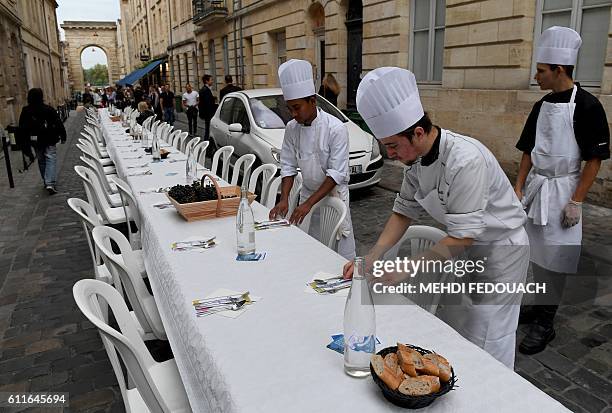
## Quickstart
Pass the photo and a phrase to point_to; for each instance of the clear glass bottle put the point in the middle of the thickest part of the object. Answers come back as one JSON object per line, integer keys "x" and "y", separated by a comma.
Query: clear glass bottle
{"x": 245, "y": 225}
{"x": 190, "y": 167}
{"x": 155, "y": 148}
{"x": 359, "y": 324}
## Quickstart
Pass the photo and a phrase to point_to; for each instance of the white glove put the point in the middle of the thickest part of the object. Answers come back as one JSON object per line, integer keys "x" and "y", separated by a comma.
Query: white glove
{"x": 571, "y": 214}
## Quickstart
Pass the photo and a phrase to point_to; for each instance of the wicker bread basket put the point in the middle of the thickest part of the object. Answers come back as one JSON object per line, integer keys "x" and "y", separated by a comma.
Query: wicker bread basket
{"x": 228, "y": 200}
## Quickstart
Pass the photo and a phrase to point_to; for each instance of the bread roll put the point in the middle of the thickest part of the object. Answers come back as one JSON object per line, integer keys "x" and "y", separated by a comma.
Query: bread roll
{"x": 419, "y": 386}
{"x": 388, "y": 375}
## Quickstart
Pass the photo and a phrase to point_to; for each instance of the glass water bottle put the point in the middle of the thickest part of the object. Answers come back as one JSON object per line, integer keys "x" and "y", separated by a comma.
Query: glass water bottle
{"x": 359, "y": 324}
{"x": 245, "y": 225}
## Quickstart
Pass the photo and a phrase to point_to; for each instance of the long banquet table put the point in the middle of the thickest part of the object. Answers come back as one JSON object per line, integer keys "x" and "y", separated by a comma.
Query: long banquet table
{"x": 274, "y": 357}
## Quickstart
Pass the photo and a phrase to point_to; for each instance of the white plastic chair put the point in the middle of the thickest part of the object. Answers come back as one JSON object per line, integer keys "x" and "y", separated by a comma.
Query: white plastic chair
{"x": 126, "y": 277}
{"x": 95, "y": 196}
{"x": 172, "y": 138}
{"x": 102, "y": 171}
{"x": 190, "y": 145}
{"x": 199, "y": 152}
{"x": 421, "y": 238}
{"x": 270, "y": 199}
{"x": 158, "y": 386}
{"x": 90, "y": 219}
{"x": 130, "y": 206}
{"x": 114, "y": 200}
{"x": 154, "y": 126}
{"x": 332, "y": 211}
{"x": 179, "y": 141}
{"x": 225, "y": 152}
{"x": 294, "y": 195}
{"x": 97, "y": 149}
{"x": 95, "y": 132}
{"x": 86, "y": 147}
{"x": 266, "y": 172}
{"x": 242, "y": 167}
{"x": 146, "y": 125}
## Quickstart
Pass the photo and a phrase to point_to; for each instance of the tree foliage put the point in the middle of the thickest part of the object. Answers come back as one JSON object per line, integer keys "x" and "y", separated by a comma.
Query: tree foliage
{"x": 96, "y": 75}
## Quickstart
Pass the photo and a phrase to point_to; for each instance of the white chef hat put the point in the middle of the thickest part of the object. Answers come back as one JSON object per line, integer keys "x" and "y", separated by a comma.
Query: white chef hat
{"x": 388, "y": 100}
{"x": 296, "y": 79}
{"x": 558, "y": 46}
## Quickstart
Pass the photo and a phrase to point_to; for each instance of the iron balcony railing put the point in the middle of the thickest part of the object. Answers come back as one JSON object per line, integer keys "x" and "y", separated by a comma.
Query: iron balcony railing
{"x": 206, "y": 11}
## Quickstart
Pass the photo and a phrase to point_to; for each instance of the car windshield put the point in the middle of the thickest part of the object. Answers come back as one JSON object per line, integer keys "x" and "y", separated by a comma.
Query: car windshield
{"x": 271, "y": 112}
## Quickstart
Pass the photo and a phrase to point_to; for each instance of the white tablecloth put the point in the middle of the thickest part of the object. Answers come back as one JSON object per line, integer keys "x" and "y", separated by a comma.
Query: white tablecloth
{"x": 273, "y": 357}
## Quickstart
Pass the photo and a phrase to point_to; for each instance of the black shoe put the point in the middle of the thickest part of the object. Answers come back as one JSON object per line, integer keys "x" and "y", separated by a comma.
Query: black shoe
{"x": 527, "y": 315}
{"x": 536, "y": 339}
{"x": 51, "y": 190}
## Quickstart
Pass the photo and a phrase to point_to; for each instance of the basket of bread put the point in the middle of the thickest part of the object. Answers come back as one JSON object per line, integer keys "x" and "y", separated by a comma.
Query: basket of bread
{"x": 410, "y": 376}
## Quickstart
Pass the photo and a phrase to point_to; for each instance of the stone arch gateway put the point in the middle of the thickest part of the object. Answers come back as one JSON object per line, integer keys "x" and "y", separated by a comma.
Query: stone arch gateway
{"x": 82, "y": 34}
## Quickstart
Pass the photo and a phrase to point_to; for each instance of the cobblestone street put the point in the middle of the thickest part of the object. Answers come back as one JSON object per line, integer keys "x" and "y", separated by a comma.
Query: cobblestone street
{"x": 47, "y": 345}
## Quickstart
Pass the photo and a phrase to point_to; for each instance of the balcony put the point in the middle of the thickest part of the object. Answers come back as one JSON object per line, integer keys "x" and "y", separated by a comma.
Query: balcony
{"x": 208, "y": 11}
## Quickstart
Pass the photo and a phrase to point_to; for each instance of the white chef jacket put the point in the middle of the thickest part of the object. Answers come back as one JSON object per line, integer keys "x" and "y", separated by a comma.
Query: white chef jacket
{"x": 332, "y": 145}
{"x": 476, "y": 196}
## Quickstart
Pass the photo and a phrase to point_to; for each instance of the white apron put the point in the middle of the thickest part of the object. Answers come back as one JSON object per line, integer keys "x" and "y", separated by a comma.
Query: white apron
{"x": 493, "y": 326}
{"x": 549, "y": 187}
{"x": 313, "y": 175}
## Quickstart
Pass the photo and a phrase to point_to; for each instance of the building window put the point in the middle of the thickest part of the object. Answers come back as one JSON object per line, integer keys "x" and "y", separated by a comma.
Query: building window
{"x": 226, "y": 66}
{"x": 427, "y": 41}
{"x": 281, "y": 48}
{"x": 590, "y": 18}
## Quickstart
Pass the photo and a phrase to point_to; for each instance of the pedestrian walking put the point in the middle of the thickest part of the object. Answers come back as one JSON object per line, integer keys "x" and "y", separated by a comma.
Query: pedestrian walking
{"x": 167, "y": 103}
{"x": 228, "y": 88}
{"x": 41, "y": 128}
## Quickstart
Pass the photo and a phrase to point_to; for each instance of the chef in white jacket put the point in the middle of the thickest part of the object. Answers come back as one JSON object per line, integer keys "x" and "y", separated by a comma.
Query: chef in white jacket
{"x": 564, "y": 128}
{"x": 316, "y": 143}
{"x": 458, "y": 182}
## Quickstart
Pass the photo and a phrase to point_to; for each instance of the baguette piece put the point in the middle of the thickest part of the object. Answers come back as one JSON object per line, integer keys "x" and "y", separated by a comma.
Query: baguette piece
{"x": 388, "y": 375}
{"x": 430, "y": 367}
{"x": 444, "y": 368}
{"x": 409, "y": 360}
{"x": 391, "y": 361}
{"x": 420, "y": 386}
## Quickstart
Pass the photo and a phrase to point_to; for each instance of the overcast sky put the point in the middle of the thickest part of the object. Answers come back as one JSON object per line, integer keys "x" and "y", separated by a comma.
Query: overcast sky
{"x": 88, "y": 10}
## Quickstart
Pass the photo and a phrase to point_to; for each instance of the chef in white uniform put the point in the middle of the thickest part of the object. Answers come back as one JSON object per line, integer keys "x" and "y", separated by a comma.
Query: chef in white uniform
{"x": 316, "y": 143}
{"x": 564, "y": 128}
{"x": 457, "y": 181}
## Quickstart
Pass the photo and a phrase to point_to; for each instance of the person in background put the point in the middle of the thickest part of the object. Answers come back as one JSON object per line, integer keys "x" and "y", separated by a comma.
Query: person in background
{"x": 120, "y": 98}
{"x": 207, "y": 106}
{"x": 139, "y": 96}
{"x": 564, "y": 128}
{"x": 167, "y": 103}
{"x": 40, "y": 127}
{"x": 330, "y": 89}
{"x": 97, "y": 99}
{"x": 145, "y": 112}
{"x": 154, "y": 99}
{"x": 190, "y": 105}
{"x": 228, "y": 88}
{"x": 87, "y": 97}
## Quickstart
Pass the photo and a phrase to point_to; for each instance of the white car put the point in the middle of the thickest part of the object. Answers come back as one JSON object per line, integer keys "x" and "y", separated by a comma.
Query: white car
{"x": 253, "y": 121}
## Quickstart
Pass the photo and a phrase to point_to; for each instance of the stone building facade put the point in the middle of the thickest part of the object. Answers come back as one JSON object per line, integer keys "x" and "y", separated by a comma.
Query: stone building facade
{"x": 473, "y": 58}
{"x": 30, "y": 55}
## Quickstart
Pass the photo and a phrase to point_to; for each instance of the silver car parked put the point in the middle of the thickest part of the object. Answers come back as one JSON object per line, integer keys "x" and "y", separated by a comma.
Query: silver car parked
{"x": 253, "y": 121}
